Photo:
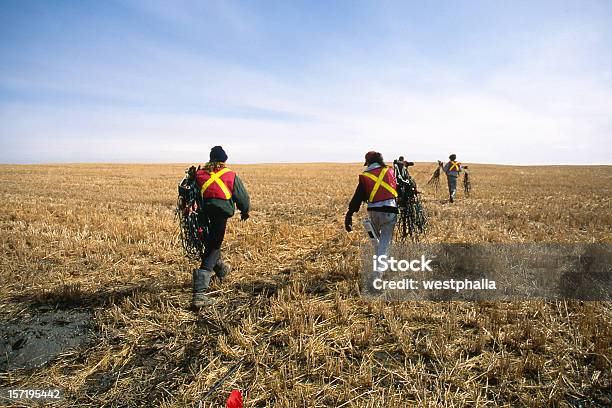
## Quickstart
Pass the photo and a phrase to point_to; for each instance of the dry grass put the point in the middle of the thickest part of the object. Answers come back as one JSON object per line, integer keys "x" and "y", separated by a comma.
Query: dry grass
{"x": 103, "y": 237}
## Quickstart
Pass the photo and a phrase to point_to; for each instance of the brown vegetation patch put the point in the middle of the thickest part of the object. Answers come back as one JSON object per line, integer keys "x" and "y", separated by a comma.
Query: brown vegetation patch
{"x": 103, "y": 237}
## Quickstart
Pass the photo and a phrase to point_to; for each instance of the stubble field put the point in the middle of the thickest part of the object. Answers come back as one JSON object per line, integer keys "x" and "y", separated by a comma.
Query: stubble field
{"x": 102, "y": 239}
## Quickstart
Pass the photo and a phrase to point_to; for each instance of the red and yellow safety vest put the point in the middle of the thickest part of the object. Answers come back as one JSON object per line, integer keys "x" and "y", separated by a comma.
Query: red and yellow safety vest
{"x": 219, "y": 184}
{"x": 454, "y": 166}
{"x": 379, "y": 184}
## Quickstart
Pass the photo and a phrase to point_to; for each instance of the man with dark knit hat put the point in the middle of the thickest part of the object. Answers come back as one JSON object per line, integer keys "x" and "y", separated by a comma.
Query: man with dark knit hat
{"x": 452, "y": 170}
{"x": 378, "y": 187}
{"x": 221, "y": 190}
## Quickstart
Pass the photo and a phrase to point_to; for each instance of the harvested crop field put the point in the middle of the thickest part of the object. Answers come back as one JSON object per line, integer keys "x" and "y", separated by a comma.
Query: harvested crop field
{"x": 101, "y": 241}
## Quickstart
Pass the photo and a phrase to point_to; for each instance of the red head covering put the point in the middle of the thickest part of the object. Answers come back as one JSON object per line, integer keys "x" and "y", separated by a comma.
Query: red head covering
{"x": 371, "y": 156}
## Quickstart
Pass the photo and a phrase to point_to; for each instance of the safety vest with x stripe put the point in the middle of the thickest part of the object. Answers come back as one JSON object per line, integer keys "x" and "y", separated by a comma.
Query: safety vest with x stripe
{"x": 219, "y": 184}
{"x": 379, "y": 184}
{"x": 454, "y": 166}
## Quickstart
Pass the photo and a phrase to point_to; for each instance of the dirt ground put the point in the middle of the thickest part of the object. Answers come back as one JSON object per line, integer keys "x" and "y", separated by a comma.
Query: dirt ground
{"x": 28, "y": 342}
{"x": 95, "y": 247}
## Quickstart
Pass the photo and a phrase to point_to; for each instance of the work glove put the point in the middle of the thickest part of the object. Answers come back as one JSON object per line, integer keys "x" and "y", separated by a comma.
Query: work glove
{"x": 348, "y": 222}
{"x": 244, "y": 216}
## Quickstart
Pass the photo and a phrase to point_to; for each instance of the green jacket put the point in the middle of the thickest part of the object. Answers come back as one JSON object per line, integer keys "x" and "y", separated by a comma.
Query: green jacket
{"x": 226, "y": 208}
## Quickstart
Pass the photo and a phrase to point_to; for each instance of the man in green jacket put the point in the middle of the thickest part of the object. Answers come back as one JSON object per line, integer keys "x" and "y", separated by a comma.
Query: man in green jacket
{"x": 221, "y": 190}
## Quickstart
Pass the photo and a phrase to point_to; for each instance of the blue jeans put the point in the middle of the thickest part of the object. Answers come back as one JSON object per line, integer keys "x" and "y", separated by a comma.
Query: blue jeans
{"x": 452, "y": 185}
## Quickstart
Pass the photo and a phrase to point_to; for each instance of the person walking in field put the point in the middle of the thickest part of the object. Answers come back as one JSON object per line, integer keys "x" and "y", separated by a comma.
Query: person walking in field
{"x": 400, "y": 167}
{"x": 221, "y": 191}
{"x": 402, "y": 175}
{"x": 452, "y": 169}
{"x": 378, "y": 187}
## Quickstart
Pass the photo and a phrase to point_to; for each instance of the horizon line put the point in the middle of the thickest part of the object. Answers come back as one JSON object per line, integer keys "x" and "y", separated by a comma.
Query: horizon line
{"x": 281, "y": 162}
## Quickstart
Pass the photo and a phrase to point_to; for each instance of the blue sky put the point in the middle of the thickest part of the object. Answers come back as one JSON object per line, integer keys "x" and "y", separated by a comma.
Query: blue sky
{"x": 282, "y": 81}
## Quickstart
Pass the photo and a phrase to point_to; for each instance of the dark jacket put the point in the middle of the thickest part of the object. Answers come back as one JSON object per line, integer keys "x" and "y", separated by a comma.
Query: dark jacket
{"x": 226, "y": 208}
{"x": 401, "y": 171}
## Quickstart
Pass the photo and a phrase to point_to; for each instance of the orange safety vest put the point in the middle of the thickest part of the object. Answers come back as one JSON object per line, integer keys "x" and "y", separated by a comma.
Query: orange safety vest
{"x": 218, "y": 184}
{"x": 454, "y": 166}
{"x": 379, "y": 184}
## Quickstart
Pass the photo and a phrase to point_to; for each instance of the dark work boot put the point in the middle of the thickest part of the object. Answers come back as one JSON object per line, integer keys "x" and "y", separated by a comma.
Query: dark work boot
{"x": 452, "y": 200}
{"x": 201, "y": 282}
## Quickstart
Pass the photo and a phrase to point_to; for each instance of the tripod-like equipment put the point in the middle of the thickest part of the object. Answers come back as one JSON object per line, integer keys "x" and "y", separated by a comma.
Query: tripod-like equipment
{"x": 467, "y": 182}
{"x": 193, "y": 223}
{"x": 412, "y": 217}
{"x": 435, "y": 177}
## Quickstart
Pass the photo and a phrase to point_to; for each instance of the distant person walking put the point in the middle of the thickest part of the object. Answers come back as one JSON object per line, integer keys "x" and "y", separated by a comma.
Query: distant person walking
{"x": 220, "y": 188}
{"x": 452, "y": 169}
{"x": 400, "y": 167}
{"x": 378, "y": 187}
{"x": 402, "y": 175}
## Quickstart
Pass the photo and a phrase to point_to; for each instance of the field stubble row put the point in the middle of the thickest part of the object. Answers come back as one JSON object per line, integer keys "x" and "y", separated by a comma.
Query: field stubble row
{"x": 103, "y": 237}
